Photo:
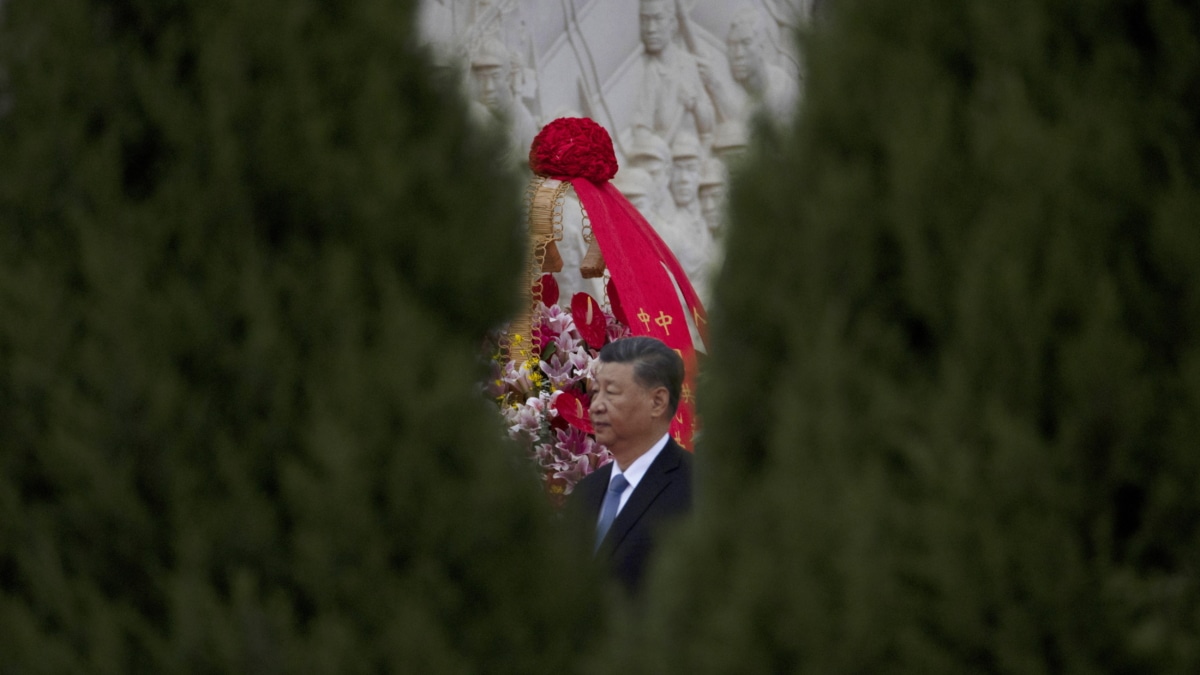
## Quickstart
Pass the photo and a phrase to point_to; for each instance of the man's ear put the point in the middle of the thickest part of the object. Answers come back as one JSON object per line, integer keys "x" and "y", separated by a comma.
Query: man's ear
{"x": 660, "y": 401}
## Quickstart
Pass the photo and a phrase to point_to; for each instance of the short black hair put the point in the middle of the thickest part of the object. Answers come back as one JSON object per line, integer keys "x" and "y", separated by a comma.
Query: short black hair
{"x": 654, "y": 364}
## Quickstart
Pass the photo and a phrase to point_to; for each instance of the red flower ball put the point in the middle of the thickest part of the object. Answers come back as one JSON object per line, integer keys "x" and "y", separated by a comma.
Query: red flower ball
{"x": 573, "y": 147}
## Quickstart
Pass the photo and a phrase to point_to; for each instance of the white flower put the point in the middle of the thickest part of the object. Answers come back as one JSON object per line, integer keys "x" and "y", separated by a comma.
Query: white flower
{"x": 581, "y": 361}
{"x": 557, "y": 320}
{"x": 558, "y": 369}
{"x": 527, "y": 417}
{"x": 567, "y": 342}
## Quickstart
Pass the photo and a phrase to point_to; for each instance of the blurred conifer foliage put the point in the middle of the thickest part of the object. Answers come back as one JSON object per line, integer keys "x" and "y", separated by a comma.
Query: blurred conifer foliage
{"x": 952, "y": 414}
{"x": 248, "y": 251}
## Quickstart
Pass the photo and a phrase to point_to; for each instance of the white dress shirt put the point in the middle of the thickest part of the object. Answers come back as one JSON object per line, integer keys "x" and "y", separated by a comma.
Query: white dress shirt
{"x": 637, "y": 470}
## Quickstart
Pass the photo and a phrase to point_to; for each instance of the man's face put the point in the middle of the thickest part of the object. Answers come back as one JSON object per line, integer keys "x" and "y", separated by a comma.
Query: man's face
{"x": 685, "y": 180}
{"x": 657, "y": 25}
{"x": 621, "y": 409}
{"x": 491, "y": 86}
{"x": 745, "y": 52}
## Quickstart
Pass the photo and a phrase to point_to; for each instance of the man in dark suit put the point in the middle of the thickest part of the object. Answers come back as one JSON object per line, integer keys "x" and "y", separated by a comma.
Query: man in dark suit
{"x": 635, "y": 391}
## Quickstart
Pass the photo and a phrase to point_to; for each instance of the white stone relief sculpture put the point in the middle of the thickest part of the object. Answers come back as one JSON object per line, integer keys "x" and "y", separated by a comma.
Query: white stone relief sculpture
{"x": 686, "y": 232}
{"x": 663, "y": 76}
{"x": 713, "y": 181}
{"x": 762, "y": 83}
{"x": 638, "y": 187}
{"x": 650, "y": 153}
{"x": 671, "y": 97}
{"x": 495, "y": 84}
{"x": 714, "y": 178}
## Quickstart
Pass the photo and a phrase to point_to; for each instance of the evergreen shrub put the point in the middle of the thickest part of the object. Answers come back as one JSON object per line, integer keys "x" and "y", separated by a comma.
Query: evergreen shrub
{"x": 953, "y": 402}
{"x": 248, "y": 251}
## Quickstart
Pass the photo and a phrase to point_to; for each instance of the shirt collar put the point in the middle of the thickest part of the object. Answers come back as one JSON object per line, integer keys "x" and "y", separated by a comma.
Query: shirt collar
{"x": 639, "y": 466}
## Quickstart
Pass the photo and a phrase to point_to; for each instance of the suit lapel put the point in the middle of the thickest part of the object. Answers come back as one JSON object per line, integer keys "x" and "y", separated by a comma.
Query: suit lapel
{"x": 593, "y": 498}
{"x": 658, "y": 476}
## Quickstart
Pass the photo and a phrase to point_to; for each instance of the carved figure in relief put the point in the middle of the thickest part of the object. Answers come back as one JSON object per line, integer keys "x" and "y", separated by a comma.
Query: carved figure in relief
{"x": 649, "y": 152}
{"x": 494, "y": 87}
{"x": 765, "y": 84}
{"x": 686, "y": 232}
{"x": 686, "y": 162}
{"x": 713, "y": 179}
{"x": 637, "y": 186}
{"x": 672, "y": 95}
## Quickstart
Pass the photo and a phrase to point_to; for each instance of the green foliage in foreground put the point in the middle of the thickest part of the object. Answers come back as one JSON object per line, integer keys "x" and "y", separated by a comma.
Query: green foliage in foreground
{"x": 248, "y": 249}
{"x": 954, "y": 400}
{"x": 951, "y": 410}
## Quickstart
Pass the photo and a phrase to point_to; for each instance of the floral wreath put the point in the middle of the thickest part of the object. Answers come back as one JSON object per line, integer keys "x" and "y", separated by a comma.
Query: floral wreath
{"x": 543, "y": 359}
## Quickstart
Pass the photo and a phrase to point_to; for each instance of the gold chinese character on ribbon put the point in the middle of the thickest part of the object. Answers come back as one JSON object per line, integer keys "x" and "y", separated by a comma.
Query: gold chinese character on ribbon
{"x": 644, "y": 317}
{"x": 664, "y": 320}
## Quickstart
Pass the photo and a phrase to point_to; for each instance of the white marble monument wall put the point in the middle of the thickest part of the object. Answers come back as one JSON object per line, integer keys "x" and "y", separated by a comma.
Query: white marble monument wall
{"x": 674, "y": 82}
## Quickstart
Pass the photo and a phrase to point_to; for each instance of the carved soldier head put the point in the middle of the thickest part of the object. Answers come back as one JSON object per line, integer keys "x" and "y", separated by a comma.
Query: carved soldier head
{"x": 658, "y": 24}
{"x": 685, "y": 168}
{"x": 638, "y": 188}
{"x": 649, "y": 152}
{"x": 713, "y": 178}
{"x": 746, "y": 45}
{"x": 491, "y": 74}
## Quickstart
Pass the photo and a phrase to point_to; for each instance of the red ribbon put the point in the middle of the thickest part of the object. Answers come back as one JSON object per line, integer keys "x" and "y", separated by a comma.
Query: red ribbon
{"x": 646, "y": 274}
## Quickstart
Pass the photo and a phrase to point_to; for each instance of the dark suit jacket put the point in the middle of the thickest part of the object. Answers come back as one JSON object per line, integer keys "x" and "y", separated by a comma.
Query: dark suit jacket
{"x": 663, "y": 495}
